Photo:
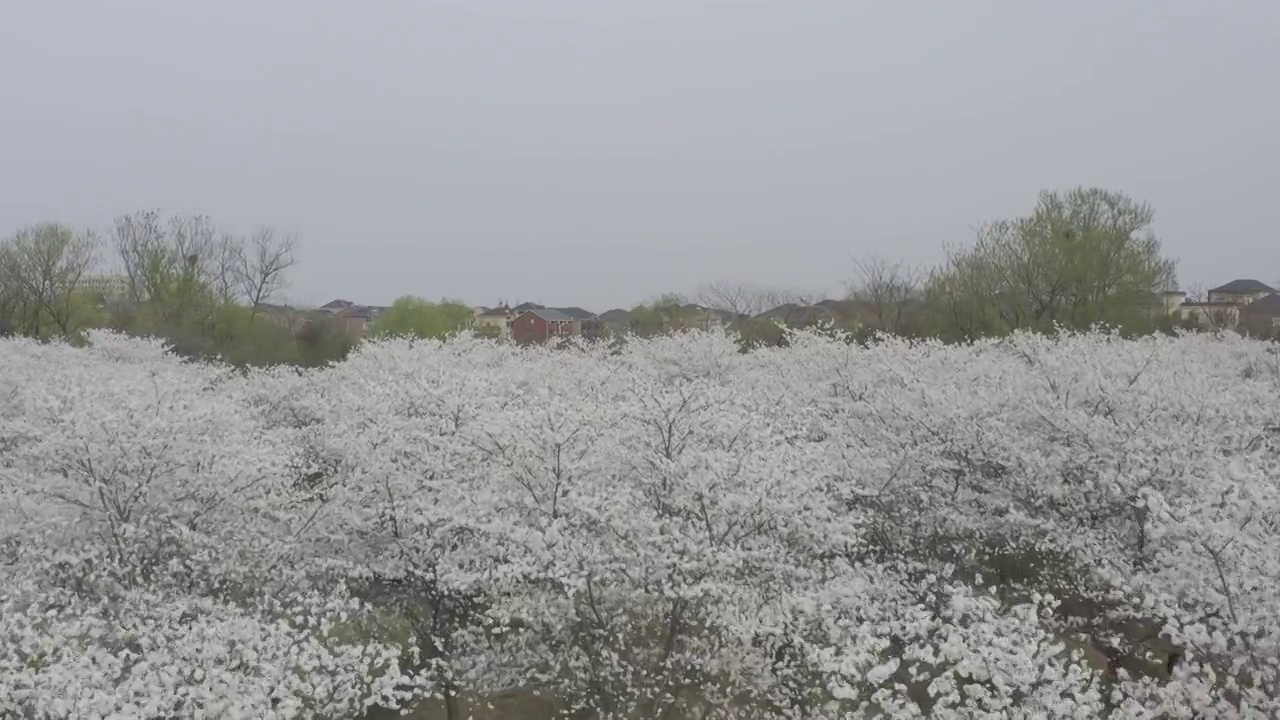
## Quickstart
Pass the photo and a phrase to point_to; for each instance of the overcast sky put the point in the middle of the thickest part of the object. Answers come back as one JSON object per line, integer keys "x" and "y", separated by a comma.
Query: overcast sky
{"x": 598, "y": 152}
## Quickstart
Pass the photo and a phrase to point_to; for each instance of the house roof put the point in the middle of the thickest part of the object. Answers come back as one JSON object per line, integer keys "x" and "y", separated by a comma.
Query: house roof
{"x": 549, "y": 314}
{"x": 723, "y": 316}
{"x": 1269, "y": 305}
{"x": 794, "y": 314}
{"x": 496, "y": 312}
{"x": 361, "y": 311}
{"x": 333, "y": 305}
{"x": 1244, "y": 286}
{"x": 780, "y": 311}
{"x": 841, "y": 308}
{"x": 522, "y": 307}
{"x": 577, "y": 313}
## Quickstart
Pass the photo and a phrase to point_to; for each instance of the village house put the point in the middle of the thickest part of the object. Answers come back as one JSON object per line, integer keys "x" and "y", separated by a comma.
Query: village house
{"x": 1171, "y": 301}
{"x": 1240, "y": 292}
{"x": 1262, "y": 316}
{"x": 334, "y": 306}
{"x": 108, "y": 287}
{"x": 540, "y": 324}
{"x": 355, "y": 320}
{"x": 795, "y": 315}
{"x": 290, "y": 319}
{"x": 496, "y": 321}
{"x": 699, "y": 317}
{"x": 1224, "y": 305}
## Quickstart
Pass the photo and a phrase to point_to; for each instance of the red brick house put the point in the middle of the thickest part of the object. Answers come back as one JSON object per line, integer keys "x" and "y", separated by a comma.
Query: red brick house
{"x": 540, "y": 325}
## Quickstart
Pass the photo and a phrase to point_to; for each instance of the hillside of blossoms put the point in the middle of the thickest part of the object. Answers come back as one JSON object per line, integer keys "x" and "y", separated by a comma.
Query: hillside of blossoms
{"x": 1079, "y": 526}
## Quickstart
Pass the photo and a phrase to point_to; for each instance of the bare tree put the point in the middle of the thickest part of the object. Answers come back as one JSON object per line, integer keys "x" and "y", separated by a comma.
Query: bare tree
{"x": 746, "y": 300}
{"x": 10, "y": 297}
{"x": 41, "y": 267}
{"x": 263, "y": 261}
{"x": 885, "y": 291}
{"x": 163, "y": 259}
{"x": 225, "y": 268}
{"x": 176, "y": 262}
{"x": 178, "y": 267}
{"x": 139, "y": 240}
{"x": 193, "y": 244}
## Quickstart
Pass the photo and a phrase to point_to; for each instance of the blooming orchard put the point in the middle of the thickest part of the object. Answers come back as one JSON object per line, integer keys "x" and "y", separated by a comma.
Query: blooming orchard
{"x": 1073, "y": 527}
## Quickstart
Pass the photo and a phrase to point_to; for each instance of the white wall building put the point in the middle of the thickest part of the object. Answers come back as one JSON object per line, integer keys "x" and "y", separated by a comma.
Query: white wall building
{"x": 109, "y": 286}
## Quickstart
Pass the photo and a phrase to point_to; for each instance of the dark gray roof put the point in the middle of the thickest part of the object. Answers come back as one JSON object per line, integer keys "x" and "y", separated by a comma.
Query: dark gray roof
{"x": 336, "y": 305}
{"x": 839, "y": 308}
{"x": 358, "y": 311}
{"x": 798, "y": 315}
{"x": 1244, "y": 286}
{"x": 1269, "y": 305}
{"x": 721, "y": 315}
{"x": 577, "y": 313}
{"x": 527, "y": 306}
{"x": 551, "y": 314}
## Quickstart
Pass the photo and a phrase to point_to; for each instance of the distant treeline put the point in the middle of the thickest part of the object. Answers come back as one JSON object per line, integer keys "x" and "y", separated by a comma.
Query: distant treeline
{"x": 1080, "y": 258}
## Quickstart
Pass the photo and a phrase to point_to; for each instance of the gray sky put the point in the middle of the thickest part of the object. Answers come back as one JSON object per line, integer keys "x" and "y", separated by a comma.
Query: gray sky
{"x": 598, "y": 152}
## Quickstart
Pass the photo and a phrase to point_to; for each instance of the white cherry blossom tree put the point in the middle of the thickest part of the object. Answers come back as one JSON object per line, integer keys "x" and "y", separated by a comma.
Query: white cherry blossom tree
{"x": 1076, "y": 526}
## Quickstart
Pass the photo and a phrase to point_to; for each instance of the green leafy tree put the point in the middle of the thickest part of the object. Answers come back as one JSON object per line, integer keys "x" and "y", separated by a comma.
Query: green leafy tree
{"x": 1081, "y": 257}
{"x": 205, "y": 291}
{"x": 411, "y": 316}
{"x": 40, "y": 271}
{"x": 666, "y": 313}
{"x": 178, "y": 272}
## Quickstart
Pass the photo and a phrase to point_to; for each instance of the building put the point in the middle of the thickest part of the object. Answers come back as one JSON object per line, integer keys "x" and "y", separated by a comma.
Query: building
{"x": 795, "y": 315}
{"x": 1262, "y": 316}
{"x": 495, "y": 321}
{"x": 1240, "y": 292}
{"x": 1224, "y": 305}
{"x": 1172, "y": 300}
{"x": 586, "y": 323}
{"x": 699, "y": 317}
{"x": 109, "y": 287}
{"x": 355, "y": 320}
{"x": 1220, "y": 315}
{"x": 290, "y": 319}
{"x": 1167, "y": 303}
{"x": 577, "y": 313}
{"x": 541, "y": 325}
{"x": 334, "y": 306}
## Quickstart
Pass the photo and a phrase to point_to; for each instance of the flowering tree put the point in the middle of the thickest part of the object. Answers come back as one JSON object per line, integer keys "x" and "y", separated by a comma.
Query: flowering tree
{"x": 1081, "y": 526}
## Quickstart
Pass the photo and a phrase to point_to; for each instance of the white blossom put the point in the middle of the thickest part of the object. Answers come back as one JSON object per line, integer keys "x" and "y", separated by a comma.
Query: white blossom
{"x": 1065, "y": 527}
